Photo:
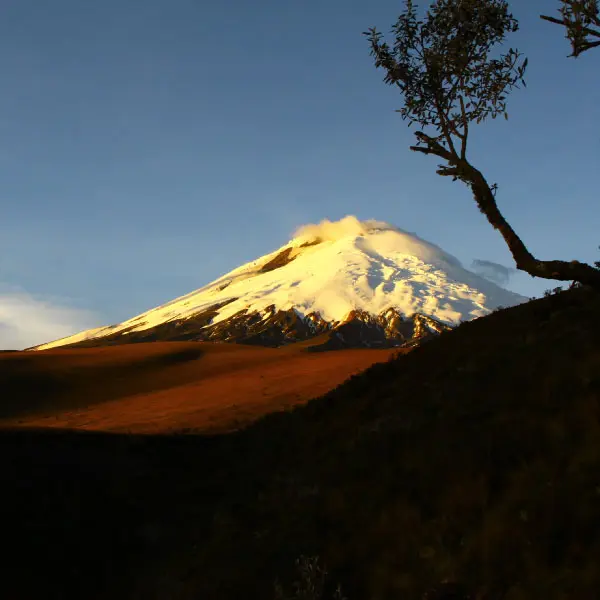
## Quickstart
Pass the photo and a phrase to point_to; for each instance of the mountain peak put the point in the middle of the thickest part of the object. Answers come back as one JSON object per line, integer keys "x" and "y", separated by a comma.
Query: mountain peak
{"x": 342, "y": 271}
{"x": 350, "y": 229}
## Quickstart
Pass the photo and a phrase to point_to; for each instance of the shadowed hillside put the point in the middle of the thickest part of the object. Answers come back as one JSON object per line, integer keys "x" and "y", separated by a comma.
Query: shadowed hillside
{"x": 473, "y": 458}
{"x": 166, "y": 386}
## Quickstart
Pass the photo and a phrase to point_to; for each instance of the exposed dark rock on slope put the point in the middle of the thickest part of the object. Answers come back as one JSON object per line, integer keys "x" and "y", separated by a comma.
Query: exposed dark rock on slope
{"x": 272, "y": 327}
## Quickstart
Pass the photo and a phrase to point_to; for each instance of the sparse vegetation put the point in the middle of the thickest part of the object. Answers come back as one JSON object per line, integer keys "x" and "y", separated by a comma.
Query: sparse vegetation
{"x": 450, "y": 79}
{"x": 311, "y": 583}
{"x": 553, "y": 291}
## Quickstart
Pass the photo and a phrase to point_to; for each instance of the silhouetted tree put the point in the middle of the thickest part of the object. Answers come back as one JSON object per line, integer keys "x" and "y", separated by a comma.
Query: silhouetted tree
{"x": 581, "y": 19}
{"x": 445, "y": 71}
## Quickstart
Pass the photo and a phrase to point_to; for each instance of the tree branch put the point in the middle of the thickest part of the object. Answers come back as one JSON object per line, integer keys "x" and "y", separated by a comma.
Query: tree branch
{"x": 565, "y": 22}
{"x": 525, "y": 261}
{"x": 465, "y": 123}
{"x": 433, "y": 146}
{"x": 459, "y": 168}
{"x": 588, "y": 45}
{"x": 444, "y": 124}
{"x": 421, "y": 149}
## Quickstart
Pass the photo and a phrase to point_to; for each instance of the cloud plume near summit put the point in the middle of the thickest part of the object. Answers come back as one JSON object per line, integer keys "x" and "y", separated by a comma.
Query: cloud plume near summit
{"x": 335, "y": 230}
{"x": 351, "y": 226}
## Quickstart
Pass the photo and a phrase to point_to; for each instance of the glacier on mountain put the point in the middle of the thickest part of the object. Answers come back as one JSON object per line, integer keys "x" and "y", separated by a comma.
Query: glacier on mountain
{"x": 332, "y": 269}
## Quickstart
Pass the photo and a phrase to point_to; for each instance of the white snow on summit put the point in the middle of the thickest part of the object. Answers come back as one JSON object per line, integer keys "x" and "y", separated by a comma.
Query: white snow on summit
{"x": 333, "y": 268}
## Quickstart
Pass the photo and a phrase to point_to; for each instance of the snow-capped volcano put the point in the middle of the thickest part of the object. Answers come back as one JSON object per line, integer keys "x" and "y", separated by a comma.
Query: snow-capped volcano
{"x": 328, "y": 276}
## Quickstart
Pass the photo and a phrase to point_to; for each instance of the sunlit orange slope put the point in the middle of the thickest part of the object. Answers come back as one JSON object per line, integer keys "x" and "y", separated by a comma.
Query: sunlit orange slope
{"x": 164, "y": 387}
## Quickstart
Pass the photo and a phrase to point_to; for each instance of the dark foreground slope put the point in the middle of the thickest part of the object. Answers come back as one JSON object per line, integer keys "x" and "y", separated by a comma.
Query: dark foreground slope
{"x": 473, "y": 458}
{"x": 167, "y": 387}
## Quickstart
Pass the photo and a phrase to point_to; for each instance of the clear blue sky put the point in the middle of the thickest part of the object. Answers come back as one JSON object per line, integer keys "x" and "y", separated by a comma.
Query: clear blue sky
{"x": 148, "y": 146}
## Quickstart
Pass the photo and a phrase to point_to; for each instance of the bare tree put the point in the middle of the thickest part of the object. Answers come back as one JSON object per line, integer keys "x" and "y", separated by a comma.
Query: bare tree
{"x": 581, "y": 19}
{"x": 445, "y": 70}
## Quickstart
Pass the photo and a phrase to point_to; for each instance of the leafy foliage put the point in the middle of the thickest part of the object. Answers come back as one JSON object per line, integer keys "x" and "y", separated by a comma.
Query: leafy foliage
{"x": 581, "y": 19}
{"x": 444, "y": 66}
{"x": 446, "y": 70}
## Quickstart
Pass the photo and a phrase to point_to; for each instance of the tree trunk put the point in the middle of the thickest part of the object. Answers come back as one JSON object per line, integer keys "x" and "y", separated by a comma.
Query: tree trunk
{"x": 460, "y": 168}
{"x": 525, "y": 261}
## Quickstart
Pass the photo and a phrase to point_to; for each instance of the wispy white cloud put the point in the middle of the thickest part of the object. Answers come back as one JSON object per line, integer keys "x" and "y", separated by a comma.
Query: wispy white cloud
{"x": 493, "y": 271}
{"x": 27, "y": 320}
{"x": 335, "y": 230}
